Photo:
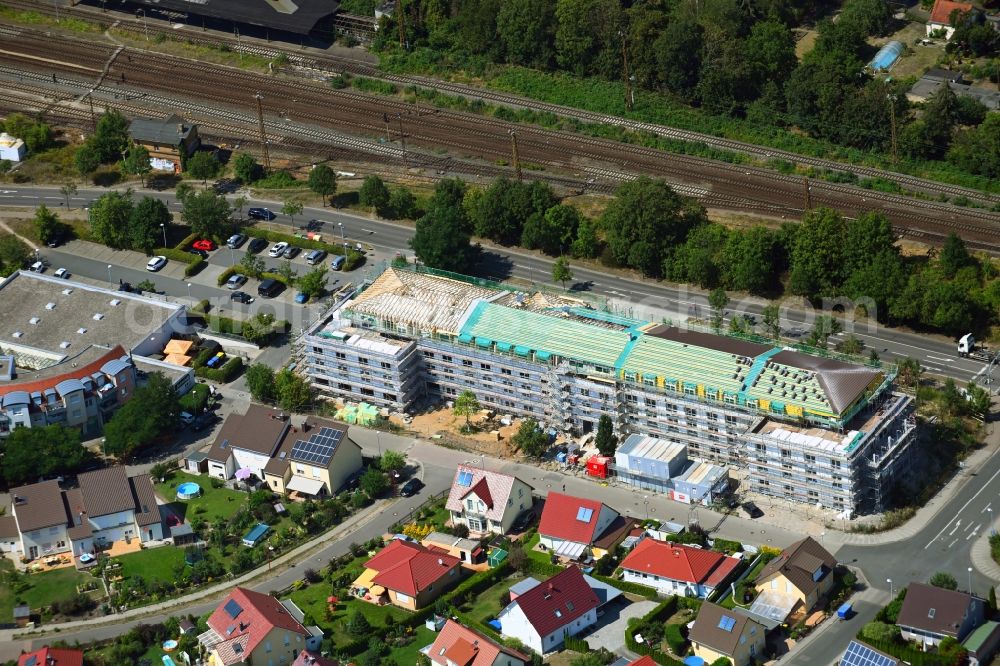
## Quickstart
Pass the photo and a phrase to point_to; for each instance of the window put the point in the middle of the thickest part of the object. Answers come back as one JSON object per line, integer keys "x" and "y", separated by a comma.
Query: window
{"x": 835, "y": 464}
{"x": 785, "y": 453}
{"x": 363, "y": 361}
{"x": 505, "y": 371}
{"x": 368, "y": 391}
{"x": 712, "y": 416}
{"x": 446, "y": 358}
{"x": 523, "y": 375}
{"x": 810, "y": 458}
{"x": 485, "y": 366}
{"x": 385, "y": 366}
{"x": 341, "y": 355}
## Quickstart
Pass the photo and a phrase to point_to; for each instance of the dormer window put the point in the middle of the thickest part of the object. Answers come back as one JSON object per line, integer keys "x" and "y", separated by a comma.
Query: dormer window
{"x": 931, "y": 612}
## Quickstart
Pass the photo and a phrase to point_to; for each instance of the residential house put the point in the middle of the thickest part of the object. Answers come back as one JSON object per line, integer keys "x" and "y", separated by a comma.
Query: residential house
{"x": 108, "y": 506}
{"x": 307, "y": 658}
{"x": 678, "y": 569}
{"x": 48, "y": 656}
{"x": 721, "y": 632}
{"x": 803, "y": 571}
{"x": 457, "y": 645}
{"x": 408, "y": 575}
{"x": 571, "y": 526}
{"x": 247, "y": 442}
{"x": 253, "y": 628}
{"x": 468, "y": 551}
{"x": 487, "y": 501}
{"x": 169, "y": 140}
{"x": 643, "y": 661}
{"x": 859, "y": 653}
{"x": 315, "y": 462}
{"x": 542, "y": 617}
{"x": 940, "y": 18}
{"x": 10, "y": 539}
{"x": 929, "y": 614}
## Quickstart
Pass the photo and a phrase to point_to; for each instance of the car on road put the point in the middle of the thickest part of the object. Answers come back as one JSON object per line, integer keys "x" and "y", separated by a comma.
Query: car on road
{"x": 411, "y": 488}
{"x": 236, "y": 281}
{"x": 752, "y": 509}
{"x": 260, "y": 214}
{"x": 203, "y": 420}
{"x": 257, "y": 245}
{"x": 200, "y": 253}
{"x": 278, "y": 249}
{"x": 236, "y": 240}
{"x": 314, "y": 225}
{"x": 291, "y": 252}
{"x": 301, "y": 297}
{"x": 203, "y": 244}
{"x": 241, "y": 297}
{"x": 61, "y": 273}
{"x": 156, "y": 263}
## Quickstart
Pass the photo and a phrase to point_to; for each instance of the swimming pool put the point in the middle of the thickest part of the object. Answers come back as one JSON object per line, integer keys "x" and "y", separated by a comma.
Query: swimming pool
{"x": 169, "y": 645}
{"x": 188, "y": 490}
{"x": 167, "y": 661}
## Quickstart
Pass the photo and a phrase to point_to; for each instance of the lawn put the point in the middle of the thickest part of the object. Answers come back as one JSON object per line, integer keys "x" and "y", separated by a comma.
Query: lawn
{"x": 422, "y": 637}
{"x": 213, "y": 503}
{"x": 487, "y": 604}
{"x": 44, "y": 589}
{"x": 152, "y": 563}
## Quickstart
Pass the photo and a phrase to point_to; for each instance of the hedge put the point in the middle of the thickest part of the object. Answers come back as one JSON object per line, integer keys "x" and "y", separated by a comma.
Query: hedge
{"x": 193, "y": 262}
{"x": 540, "y": 568}
{"x": 905, "y": 652}
{"x": 226, "y": 373}
{"x": 722, "y": 661}
{"x": 675, "y": 639}
{"x": 628, "y": 586}
{"x": 353, "y": 256}
{"x": 228, "y": 273}
{"x": 576, "y": 644}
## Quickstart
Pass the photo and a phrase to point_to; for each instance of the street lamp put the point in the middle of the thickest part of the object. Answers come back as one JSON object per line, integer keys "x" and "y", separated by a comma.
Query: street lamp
{"x": 970, "y": 580}
{"x": 645, "y": 501}
{"x": 189, "y": 290}
{"x": 891, "y": 592}
{"x": 109, "y": 273}
{"x": 164, "y": 228}
{"x": 341, "y": 225}
{"x": 270, "y": 554}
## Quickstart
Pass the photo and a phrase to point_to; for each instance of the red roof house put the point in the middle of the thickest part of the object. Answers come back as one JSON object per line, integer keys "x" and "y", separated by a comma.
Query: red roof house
{"x": 486, "y": 501}
{"x": 570, "y": 526}
{"x": 51, "y": 657}
{"x": 940, "y": 18}
{"x": 248, "y": 622}
{"x": 645, "y": 660}
{"x": 458, "y": 645}
{"x": 410, "y": 574}
{"x": 307, "y": 658}
{"x": 543, "y": 616}
{"x": 678, "y": 569}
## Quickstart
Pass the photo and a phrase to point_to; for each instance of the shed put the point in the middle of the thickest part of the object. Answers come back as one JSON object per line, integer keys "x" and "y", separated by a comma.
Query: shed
{"x": 497, "y": 556}
{"x": 196, "y": 462}
{"x": 11, "y": 148}
{"x": 22, "y": 615}
{"x": 254, "y": 536}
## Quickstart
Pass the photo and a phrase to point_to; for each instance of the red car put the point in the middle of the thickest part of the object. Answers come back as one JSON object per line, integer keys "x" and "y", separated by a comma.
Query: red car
{"x": 203, "y": 244}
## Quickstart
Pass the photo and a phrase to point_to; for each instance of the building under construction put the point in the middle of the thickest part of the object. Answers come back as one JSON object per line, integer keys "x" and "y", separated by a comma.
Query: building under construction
{"x": 804, "y": 427}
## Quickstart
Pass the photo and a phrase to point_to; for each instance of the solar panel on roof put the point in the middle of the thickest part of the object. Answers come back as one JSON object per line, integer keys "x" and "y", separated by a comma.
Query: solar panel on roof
{"x": 319, "y": 448}
{"x": 31, "y": 661}
{"x": 859, "y": 654}
{"x": 465, "y": 478}
{"x": 232, "y": 608}
{"x": 726, "y": 623}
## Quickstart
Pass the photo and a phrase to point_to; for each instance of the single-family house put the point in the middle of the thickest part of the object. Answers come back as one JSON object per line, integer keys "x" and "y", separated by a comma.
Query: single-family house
{"x": 723, "y": 632}
{"x": 929, "y": 614}
{"x": 487, "y": 502}
{"x": 108, "y": 506}
{"x": 408, "y": 575}
{"x": 468, "y": 551}
{"x": 940, "y": 18}
{"x": 803, "y": 571}
{"x": 457, "y": 645}
{"x": 678, "y": 569}
{"x": 48, "y": 656}
{"x": 308, "y": 658}
{"x": 10, "y": 539}
{"x": 542, "y": 617}
{"x": 253, "y": 628}
{"x": 859, "y": 653}
{"x": 572, "y": 526}
{"x": 169, "y": 140}
{"x": 247, "y": 442}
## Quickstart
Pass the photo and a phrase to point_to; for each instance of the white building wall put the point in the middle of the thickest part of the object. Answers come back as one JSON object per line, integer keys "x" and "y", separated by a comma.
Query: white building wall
{"x": 251, "y": 460}
{"x": 514, "y": 624}
{"x": 667, "y": 586}
{"x": 46, "y": 540}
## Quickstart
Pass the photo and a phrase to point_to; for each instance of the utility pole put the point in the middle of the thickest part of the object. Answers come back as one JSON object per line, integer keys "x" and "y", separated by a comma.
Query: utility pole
{"x": 892, "y": 126}
{"x": 517, "y": 161}
{"x": 399, "y": 21}
{"x": 628, "y": 83}
{"x": 808, "y": 189}
{"x": 402, "y": 137}
{"x": 388, "y": 136}
{"x": 93, "y": 118}
{"x": 263, "y": 134}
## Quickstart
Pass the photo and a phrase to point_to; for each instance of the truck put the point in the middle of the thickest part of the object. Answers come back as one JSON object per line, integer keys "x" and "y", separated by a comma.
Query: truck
{"x": 967, "y": 348}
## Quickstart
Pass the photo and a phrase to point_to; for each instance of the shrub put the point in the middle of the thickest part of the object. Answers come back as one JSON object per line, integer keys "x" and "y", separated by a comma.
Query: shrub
{"x": 676, "y": 640}
{"x": 228, "y": 372}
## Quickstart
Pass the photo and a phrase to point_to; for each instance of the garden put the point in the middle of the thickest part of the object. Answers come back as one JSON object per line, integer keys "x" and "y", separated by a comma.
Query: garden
{"x": 53, "y": 594}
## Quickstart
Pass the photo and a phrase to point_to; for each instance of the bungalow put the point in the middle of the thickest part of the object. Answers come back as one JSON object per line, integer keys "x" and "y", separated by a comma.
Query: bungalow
{"x": 572, "y": 526}
{"x": 678, "y": 569}
{"x": 720, "y": 632}
{"x": 940, "y": 18}
{"x": 544, "y": 615}
{"x": 487, "y": 501}
{"x": 408, "y": 575}
{"x": 929, "y": 614}
{"x": 457, "y": 645}
{"x": 800, "y": 576}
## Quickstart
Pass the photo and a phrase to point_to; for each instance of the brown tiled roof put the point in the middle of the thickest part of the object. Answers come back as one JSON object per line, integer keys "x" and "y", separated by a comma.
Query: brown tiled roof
{"x": 81, "y": 526}
{"x": 706, "y": 629}
{"x": 799, "y": 562}
{"x": 934, "y": 609}
{"x": 147, "y": 512}
{"x": 720, "y": 343}
{"x": 616, "y": 532}
{"x": 259, "y": 430}
{"x": 106, "y": 491}
{"x": 39, "y": 505}
{"x": 277, "y": 465}
{"x": 842, "y": 382}
{"x": 8, "y": 527}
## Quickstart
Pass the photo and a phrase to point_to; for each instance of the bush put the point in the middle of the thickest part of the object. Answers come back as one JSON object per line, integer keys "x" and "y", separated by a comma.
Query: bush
{"x": 628, "y": 586}
{"x": 576, "y": 644}
{"x": 193, "y": 262}
{"x": 195, "y": 400}
{"x": 228, "y": 372}
{"x": 676, "y": 640}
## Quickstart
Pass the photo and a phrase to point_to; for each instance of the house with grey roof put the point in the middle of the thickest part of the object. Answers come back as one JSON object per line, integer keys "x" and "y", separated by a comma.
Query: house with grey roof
{"x": 107, "y": 506}
{"x": 169, "y": 140}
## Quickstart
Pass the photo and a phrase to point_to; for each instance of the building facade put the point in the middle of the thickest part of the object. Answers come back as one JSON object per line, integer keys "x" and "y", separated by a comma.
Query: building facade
{"x": 807, "y": 428}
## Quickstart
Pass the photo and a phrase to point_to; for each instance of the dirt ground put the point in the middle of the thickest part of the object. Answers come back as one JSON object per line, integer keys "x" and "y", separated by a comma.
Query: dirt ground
{"x": 490, "y": 437}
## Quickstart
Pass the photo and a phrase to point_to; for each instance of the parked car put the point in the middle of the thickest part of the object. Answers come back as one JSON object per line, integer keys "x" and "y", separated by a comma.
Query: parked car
{"x": 37, "y": 267}
{"x": 186, "y": 418}
{"x": 291, "y": 251}
{"x": 411, "y": 488}
{"x": 203, "y": 420}
{"x": 337, "y": 262}
{"x": 203, "y": 244}
{"x": 156, "y": 263}
{"x": 200, "y": 253}
{"x": 236, "y": 240}
{"x": 236, "y": 281}
{"x": 315, "y": 257}
{"x": 301, "y": 297}
{"x": 257, "y": 245}
{"x": 260, "y": 214}
{"x": 61, "y": 273}
{"x": 241, "y": 297}
{"x": 752, "y": 509}
{"x": 523, "y": 521}
{"x": 278, "y": 249}
{"x": 269, "y": 288}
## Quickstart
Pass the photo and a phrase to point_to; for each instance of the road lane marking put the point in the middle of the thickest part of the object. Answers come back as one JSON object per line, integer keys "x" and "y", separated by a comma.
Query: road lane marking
{"x": 952, "y": 542}
{"x": 967, "y": 503}
{"x": 938, "y": 358}
{"x": 986, "y": 508}
{"x": 954, "y": 528}
{"x": 974, "y": 532}
{"x": 968, "y": 527}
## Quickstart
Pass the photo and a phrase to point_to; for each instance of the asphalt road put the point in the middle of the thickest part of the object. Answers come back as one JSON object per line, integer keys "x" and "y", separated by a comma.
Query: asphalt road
{"x": 659, "y": 301}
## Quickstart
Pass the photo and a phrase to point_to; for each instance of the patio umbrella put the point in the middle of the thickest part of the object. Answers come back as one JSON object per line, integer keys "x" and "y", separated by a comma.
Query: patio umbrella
{"x": 243, "y": 474}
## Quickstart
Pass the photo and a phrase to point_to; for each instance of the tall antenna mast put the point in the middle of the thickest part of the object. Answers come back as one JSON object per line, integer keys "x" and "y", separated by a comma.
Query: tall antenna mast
{"x": 263, "y": 134}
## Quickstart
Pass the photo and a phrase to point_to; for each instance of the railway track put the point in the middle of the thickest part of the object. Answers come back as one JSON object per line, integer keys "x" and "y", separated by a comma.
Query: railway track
{"x": 330, "y": 63}
{"x": 136, "y": 72}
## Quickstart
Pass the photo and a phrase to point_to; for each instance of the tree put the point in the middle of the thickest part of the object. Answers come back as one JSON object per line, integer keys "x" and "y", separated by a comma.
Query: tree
{"x": 402, "y": 203}
{"x": 152, "y": 412}
{"x": 605, "y": 440}
{"x": 586, "y": 245}
{"x": 771, "y": 319}
{"x": 287, "y": 273}
{"x": 259, "y": 329}
{"x": 851, "y": 345}
{"x": 817, "y": 259}
{"x": 293, "y": 392}
{"x": 313, "y": 283}
{"x": 992, "y": 598}
{"x": 252, "y": 265}
{"x": 978, "y": 400}
{"x": 145, "y": 232}
{"x": 392, "y": 461}
{"x": 110, "y": 138}
{"x": 944, "y": 580}
{"x": 525, "y": 28}
{"x": 909, "y": 372}
{"x": 561, "y": 271}
{"x": 977, "y": 150}
{"x": 357, "y": 624}
{"x": 441, "y": 238}
{"x": 68, "y": 190}
{"x": 14, "y": 254}
{"x": 374, "y": 194}
{"x": 499, "y": 213}
{"x": 466, "y": 404}
{"x": 824, "y": 327}
{"x": 323, "y": 181}
{"x": 109, "y": 219}
{"x": 146, "y": 285}
{"x": 530, "y": 439}
{"x": 37, "y": 136}
{"x": 207, "y": 213}
{"x": 954, "y": 256}
{"x": 46, "y": 223}
{"x": 373, "y": 482}
{"x": 136, "y": 162}
{"x": 552, "y": 232}
{"x": 291, "y": 209}
{"x": 259, "y": 378}
{"x": 718, "y": 300}
{"x": 86, "y": 159}
{"x": 748, "y": 261}
{"x": 880, "y": 632}
{"x": 202, "y": 166}
{"x": 42, "y": 452}
{"x": 245, "y": 168}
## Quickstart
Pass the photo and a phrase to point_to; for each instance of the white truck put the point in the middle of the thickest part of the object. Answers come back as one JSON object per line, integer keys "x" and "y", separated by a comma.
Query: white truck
{"x": 967, "y": 348}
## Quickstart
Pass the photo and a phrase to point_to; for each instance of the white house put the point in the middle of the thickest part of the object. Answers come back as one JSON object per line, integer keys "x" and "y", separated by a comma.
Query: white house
{"x": 940, "y": 18}
{"x": 247, "y": 442}
{"x": 486, "y": 501}
{"x": 544, "y": 615}
{"x": 571, "y": 526}
{"x": 678, "y": 569}
{"x": 457, "y": 645}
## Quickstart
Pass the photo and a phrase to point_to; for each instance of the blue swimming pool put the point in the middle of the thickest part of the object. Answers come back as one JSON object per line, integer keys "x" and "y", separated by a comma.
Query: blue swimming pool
{"x": 188, "y": 490}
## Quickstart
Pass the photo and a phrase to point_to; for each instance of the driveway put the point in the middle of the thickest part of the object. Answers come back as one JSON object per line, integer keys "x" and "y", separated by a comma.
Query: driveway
{"x": 610, "y": 631}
